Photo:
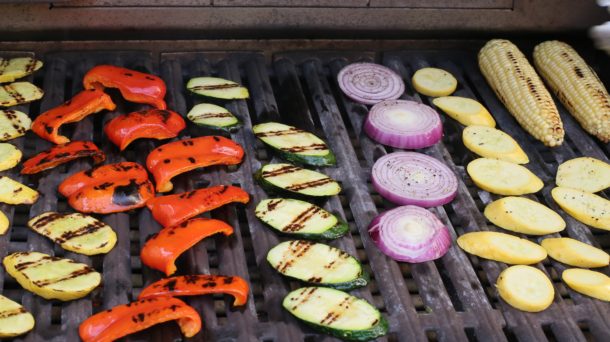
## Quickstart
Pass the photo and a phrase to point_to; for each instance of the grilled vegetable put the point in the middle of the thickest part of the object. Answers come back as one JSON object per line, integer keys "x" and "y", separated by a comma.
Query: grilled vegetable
{"x": 126, "y": 319}
{"x": 295, "y": 145}
{"x": 503, "y": 178}
{"x": 587, "y": 208}
{"x": 465, "y": 111}
{"x": 85, "y": 103}
{"x": 13, "y": 124}
{"x": 13, "y": 192}
{"x": 217, "y": 87}
{"x": 502, "y": 247}
{"x": 576, "y": 85}
{"x": 298, "y": 218}
{"x": 525, "y": 288}
{"x": 370, "y": 83}
{"x": 522, "y": 215}
{"x": 336, "y": 313}
{"x": 75, "y": 232}
{"x": 61, "y": 154}
{"x": 171, "y": 210}
{"x": 575, "y": 253}
{"x": 153, "y": 123}
{"x": 213, "y": 116}
{"x": 590, "y": 283}
{"x": 15, "y": 68}
{"x": 14, "y": 319}
{"x": 294, "y": 180}
{"x": 162, "y": 249}
{"x": 584, "y": 173}
{"x": 434, "y": 82}
{"x": 492, "y": 143}
{"x": 18, "y": 93}
{"x": 10, "y": 156}
{"x": 101, "y": 174}
{"x": 518, "y": 86}
{"x": 4, "y": 223}
{"x": 135, "y": 86}
{"x": 51, "y": 277}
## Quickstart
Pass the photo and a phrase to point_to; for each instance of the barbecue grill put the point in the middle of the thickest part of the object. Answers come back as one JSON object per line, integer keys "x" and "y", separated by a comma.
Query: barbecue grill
{"x": 293, "y": 80}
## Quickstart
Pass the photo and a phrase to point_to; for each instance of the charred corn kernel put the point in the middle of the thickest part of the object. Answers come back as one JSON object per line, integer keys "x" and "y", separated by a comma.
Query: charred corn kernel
{"x": 518, "y": 86}
{"x": 576, "y": 85}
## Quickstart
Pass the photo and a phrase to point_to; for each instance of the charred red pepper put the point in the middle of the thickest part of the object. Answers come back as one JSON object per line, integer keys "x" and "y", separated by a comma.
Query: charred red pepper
{"x": 126, "y": 319}
{"x": 135, "y": 86}
{"x": 87, "y": 102}
{"x": 172, "y": 159}
{"x": 199, "y": 284}
{"x": 174, "y": 209}
{"x": 153, "y": 123}
{"x": 162, "y": 249}
{"x": 60, "y": 154}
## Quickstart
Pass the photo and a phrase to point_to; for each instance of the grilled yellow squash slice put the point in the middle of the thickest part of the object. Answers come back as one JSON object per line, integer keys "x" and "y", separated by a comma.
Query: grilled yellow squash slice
{"x": 586, "y": 207}
{"x": 584, "y": 173}
{"x": 14, "y": 319}
{"x": 13, "y": 192}
{"x": 75, "y": 232}
{"x": 502, "y": 247}
{"x": 14, "y": 68}
{"x": 492, "y": 143}
{"x": 575, "y": 253}
{"x": 51, "y": 277}
{"x": 525, "y": 288}
{"x": 465, "y": 111}
{"x": 522, "y": 215}
{"x": 434, "y": 82}
{"x": 19, "y": 93}
{"x": 503, "y": 178}
{"x": 587, "y": 282}
{"x": 4, "y": 223}
{"x": 10, "y": 156}
{"x": 13, "y": 124}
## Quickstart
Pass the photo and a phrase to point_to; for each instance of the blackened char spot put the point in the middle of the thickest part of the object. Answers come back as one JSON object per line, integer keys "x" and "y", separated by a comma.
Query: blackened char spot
{"x": 127, "y": 195}
{"x": 224, "y": 189}
{"x": 227, "y": 280}
{"x": 216, "y": 139}
{"x": 103, "y": 186}
{"x": 48, "y": 128}
{"x": 128, "y": 74}
{"x": 165, "y": 114}
{"x": 192, "y": 160}
{"x": 170, "y": 285}
{"x": 166, "y": 161}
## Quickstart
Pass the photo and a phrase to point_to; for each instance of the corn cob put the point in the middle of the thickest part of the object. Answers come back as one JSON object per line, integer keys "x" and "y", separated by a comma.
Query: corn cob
{"x": 518, "y": 86}
{"x": 576, "y": 86}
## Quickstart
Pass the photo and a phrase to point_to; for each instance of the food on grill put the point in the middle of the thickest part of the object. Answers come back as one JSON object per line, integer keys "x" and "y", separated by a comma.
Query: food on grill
{"x": 410, "y": 234}
{"x": 135, "y": 86}
{"x": 217, "y": 87}
{"x": 525, "y": 288}
{"x": 576, "y": 85}
{"x": 13, "y": 192}
{"x": 169, "y": 160}
{"x": 317, "y": 263}
{"x": 126, "y": 319}
{"x": 75, "y": 232}
{"x": 502, "y": 247}
{"x": 465, "y": 111}
{"x": 15, "y": 68}
{"x": 295, "y": 181}
{"x": 584, "y": 173}
{"x": 199, "y": 284}
{"x": 492, "y": 143}
{"x": 213, "y": 116}
{"x": 83, "y": 104}
{"x": 14, "y": 319}
{"x": 294, "y": 145}
{"x": 586, "y": 207}
{"x": 300, "y": 219}
{"x": 10, "y": 156}
{"x": 522, "y": 215}
{"x": 517, "y": 85}
{"x": 336, "y": 313}
{"x": 434, "y": 82}
{"x": 173, "y": 209}
{"x": 13, "y": 124}
{"x": 503, "y": 178}
{"x": 51, "y": 277}
{"x": 18, "y": 93}
{"x": 63, "y": 153}
{"x": 404, "y": 124}
{"x": 151, "y": 123}
{"x": 591, "y": 283}
{"x": 575, "y": 253}
{"x": 163, "y": 248}
{"x": 4, "y": 223}
{"x": 370, "y": 83}
{"x": 413, "y": 178}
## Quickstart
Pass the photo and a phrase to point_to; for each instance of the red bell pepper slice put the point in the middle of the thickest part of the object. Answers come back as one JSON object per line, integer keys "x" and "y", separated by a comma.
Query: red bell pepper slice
{"x": 87, "y": 102}
{"x": 199, "y": 284}
{"x": 135, "y": 86}
{"x": 126, "y": 319}
{"x": 174, "y": 209}
{"x": 162, "y": 249}
{"x": 60, "y": 154}
{"x": 169, "y": 160}
{"x": 154, "y": 123}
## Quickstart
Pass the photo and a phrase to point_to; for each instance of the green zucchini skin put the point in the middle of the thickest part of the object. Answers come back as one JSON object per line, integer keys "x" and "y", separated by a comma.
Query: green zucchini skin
{"x": 272, "y": 189}
{"x": 229, "y": 129}
{"x": 325, "y": 160}
{"x": 362, "y": 281}
{"x": 378, "y": 330}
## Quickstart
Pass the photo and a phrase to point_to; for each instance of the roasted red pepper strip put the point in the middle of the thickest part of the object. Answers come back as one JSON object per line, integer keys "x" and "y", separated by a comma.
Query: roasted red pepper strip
{"x": 87, "y": 102}
{"x": 135, "y": 86}
{"x": 174, "y": 209}
{"x": 102, "y": 174}
{"x": 199, "y": 284}
{"x": 153, "y": 123}
{"x": 60, "y": 154}
{"x": 162, "y": 249}
{"x": 126, "y": 319}
{"x": 172, "y": 159}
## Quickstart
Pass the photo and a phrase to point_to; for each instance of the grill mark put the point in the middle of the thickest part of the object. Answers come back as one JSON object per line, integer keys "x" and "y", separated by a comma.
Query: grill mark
{"x": 3, "y": 64}
{"x": 333, "y": 316}
{"x": 9, "y": 313}
{"x": 216, "y": 86}
{"x": 88, "y": 229}
{"x": 281, "y": 171}
{"x": 212, "y": 115}
{"x": 294, "y": 252}
{"x": 271, "y": 206}
{"x": 298, "y": 222}
{"x": 312, "y": 147}
{"x": 280, "y": 133}
{"x": 312, "y": 184}
{"x": 14, "y": 93}
{"x": 45, "y": 220}
{"x": 306, "y": 295}
{"x": 33, "y": 263}
{"x": 29, "y": 68}
{"x": 81, "y": 272}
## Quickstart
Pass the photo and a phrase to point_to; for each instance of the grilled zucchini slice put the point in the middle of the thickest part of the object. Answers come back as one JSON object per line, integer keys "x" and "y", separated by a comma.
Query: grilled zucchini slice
{"x": 586, "y": 207}
{"x": 10, "y": 156}
{"x": 14, "y": 319}
{"x": 295, "y": 145}
{"x": 51, "y": 277}
{"x": 14, "y": 68}
{"x": 75, "y": 232}
{"x": 296, "y": 181}
{"x": 336, "y": 313}
{"x": 13, "y": 124}
{"x": 19, "y": 93}
{"x": 217, "y": 87}
{"x": 4, "y": 223}
{"x": 13, "y": 192}
{"x": 300, "y": 218}
{"x": 213, "y": 116}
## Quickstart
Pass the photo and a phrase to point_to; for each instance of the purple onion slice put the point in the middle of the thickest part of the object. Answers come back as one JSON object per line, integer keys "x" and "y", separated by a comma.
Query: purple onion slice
{"x": 370, "y": 83}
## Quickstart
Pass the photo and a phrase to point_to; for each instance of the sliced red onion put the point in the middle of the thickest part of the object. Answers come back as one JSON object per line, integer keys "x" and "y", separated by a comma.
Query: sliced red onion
{"x": 410, "y": 234}
{"x": 404, "y": 124}
{"x": 413, "y": 178}
{"x": 370, "y": 83}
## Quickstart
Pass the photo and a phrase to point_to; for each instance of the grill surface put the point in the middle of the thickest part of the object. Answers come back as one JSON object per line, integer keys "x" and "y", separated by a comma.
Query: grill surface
{"x": 450, "y": 299}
